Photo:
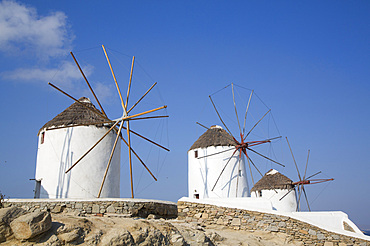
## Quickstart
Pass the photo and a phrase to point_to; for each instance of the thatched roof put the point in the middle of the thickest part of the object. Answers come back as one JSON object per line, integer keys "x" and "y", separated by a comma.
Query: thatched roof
{"x": 215, "y": 136}
{"x": 273, "y": 180}
{"x": 75, "y": 114}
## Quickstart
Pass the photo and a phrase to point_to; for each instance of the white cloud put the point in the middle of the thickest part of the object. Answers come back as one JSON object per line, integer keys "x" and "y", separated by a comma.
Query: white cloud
{"x": 64, "y": 76}
{"x": 23, "y": 30}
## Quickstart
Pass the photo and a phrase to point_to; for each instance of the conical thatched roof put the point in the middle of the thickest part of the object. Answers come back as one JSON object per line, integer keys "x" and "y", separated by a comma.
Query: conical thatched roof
{"x": 215, "y": 136}
{"x": 75, "y": 114}
{"x": 273, "y": 180}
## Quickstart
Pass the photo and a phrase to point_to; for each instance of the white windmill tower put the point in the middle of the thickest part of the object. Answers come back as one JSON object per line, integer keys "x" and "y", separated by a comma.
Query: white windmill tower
{"x": 84, "y": 146}
{"x": 217, "y": 160}
{"x": 274, "y": 186}
{"x": 216, "y": 144}
{"x": 60, "y": 146}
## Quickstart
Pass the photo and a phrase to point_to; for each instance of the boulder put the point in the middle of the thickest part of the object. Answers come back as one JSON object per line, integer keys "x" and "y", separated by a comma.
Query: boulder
{"x": 7, "y": 215}
{"x": 30, "y": 225}
{"x": 118, "y": 238}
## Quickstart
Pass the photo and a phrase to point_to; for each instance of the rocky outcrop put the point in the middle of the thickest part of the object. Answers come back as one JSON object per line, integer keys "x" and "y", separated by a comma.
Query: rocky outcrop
{"x": 7, "y": 215}
{"x": 31, "y": 225}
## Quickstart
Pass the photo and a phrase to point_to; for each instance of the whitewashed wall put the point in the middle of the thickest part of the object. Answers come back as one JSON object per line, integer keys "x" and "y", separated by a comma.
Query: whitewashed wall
{"x": 203, "y": 173}
{"x": 62, "y": 148}
{"x": 287, "y": 204}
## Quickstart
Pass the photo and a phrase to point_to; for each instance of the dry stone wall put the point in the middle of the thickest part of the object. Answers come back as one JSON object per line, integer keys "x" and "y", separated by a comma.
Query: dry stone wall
{"x": 133, "y": 208}
{"x": 239, "y": 219}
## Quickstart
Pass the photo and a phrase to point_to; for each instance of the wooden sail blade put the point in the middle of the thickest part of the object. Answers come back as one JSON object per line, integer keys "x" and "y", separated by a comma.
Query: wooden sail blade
{"x": 141, "y": 161}
{"x": 295, "y": 163}
{"x": 246, "y": 111}
{"x": 150, "y": 117}
{"x": 88, "y": 84}
{"x": 305, "y": 170}
{"x": 254, "y": 143}
{"x": 265, "y": 157}
{"x": 250, "y": 170}
{"x": 253, "y": 164}
{"x": 110, "y": 160}
{"x": 313, "y": 175}
{"x": 91, "y": 109}
{"x": 86, "y": 124}
{"x": 286, "y": 194}
{"x": 129, "y": 83}
{"x": 115, "y": 80}
{"x": 202, "y": 125}
{"x": 141, "y": 98}
{"x": 256, "y": 124}
{"x": 236, "y": 112}
{"x": 130, "y": 160}
{"x": 305, "y": 195}
{"x": 146, "y": 112}
{"x": 219, "y": 116}
{"x": 223, "y": 151}
{"x": 110, "y": 129}
{"x": 317, "y": 181}
{"x": 223, "y": 169}
{"x": 147, "y": 139}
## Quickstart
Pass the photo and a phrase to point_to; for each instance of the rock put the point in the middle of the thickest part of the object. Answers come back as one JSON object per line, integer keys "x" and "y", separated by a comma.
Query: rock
{"x": 30, "y": 225}
{"x": 7, "y": 215}
{"x": 2, "y": 238}
{"x": 177, "y": 239}
{"x": 152, "y": 216}
{"x": 118, "y": 238}
{"x": 236, "y": 222}
{"x": 70, "y": 236}
{"x": 57, "y": 209}
{"x": 53, "y": 241}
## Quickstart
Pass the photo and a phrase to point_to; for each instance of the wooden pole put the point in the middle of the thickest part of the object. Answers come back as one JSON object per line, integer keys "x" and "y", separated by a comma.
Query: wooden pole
{"x": 246, "y": 112}
{"x": 115, "y": 80}
{"x": 256, "y": 124}
{"x": 146, "y": 112}
{"x": 129, "y": 156}
{"x": 110, "y": 160}
{"x": 129, "y": 83}
{"x": 236, "y": 112}
{"x": 295, "y": 163}
{"x": 96, "y": 98}
{"x": 69, "y": 169}
{"x": 219, "y": 116}
{"x": 142, "y": 97}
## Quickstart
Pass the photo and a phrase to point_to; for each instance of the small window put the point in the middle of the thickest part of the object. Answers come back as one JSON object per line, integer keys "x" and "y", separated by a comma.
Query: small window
{"x": 196, "y": 153}
{"x": 42, "y": 137}
{"x": 260, "y": 193}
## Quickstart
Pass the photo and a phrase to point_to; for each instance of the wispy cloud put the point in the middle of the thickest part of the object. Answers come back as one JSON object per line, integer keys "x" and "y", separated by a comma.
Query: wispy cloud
{"x": 24, "y": 31}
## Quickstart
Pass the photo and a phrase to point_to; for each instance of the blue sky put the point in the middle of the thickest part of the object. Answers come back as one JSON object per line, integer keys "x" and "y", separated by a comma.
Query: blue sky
{"x": 308, "y": 62}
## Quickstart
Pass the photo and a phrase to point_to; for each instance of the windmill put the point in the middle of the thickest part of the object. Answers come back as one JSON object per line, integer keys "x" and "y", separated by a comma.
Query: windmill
{"x": 115, "y": 125}
{"x": 239, "y": 149}
{"x": 303, "y": 181}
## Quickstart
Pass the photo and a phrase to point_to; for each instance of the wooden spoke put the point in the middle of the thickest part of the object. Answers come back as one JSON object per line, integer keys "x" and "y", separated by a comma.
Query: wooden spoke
{"x": 250, "y": 170}
{"x": 150, "y": 117}
{"x": 129, "y": 83}
{"x": 115, "y": 81}
{"x": 214, "y": 153}
{"x": 219, "y": 116}
{"x": 110, "y": 160}
{"x": 223, "y": 169}
{"x": 313, "y": 175}
{"x": 305, "y": 195}
{"x": 266, "y": 157}
{"x": 286, "y": 194}
{"x": 91, "y": 109}
{"x": 236, "y": 112}
{"x": 110, "y": 129}
{"x": 253, "y": 163}
{"x": 129, "y": 154}
{"x": 305, "y": 170}
{"x": 246, "y": 112}
{"x": 202, "y": 125}
{"x": 141, "y": 161}
{"x": 147, "y": 139}
{"x": 256, "y": 124}
{"x": 146, "y": 112}
{"x": 299, "y": 198}
{"x": 142, "y": 97}
{"x": 295, "y": 163}
{"x": 96, "y": 98}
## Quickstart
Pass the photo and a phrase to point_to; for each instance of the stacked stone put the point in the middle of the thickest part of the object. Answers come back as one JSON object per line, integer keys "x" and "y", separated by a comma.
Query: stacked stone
{"x": 123, "y": 208}
{"x": 239, "y": 219}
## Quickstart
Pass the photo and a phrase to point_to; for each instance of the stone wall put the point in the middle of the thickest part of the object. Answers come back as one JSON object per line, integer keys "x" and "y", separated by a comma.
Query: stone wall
{"x": 120, "y": 207}
{"x": 239, "y": 219}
